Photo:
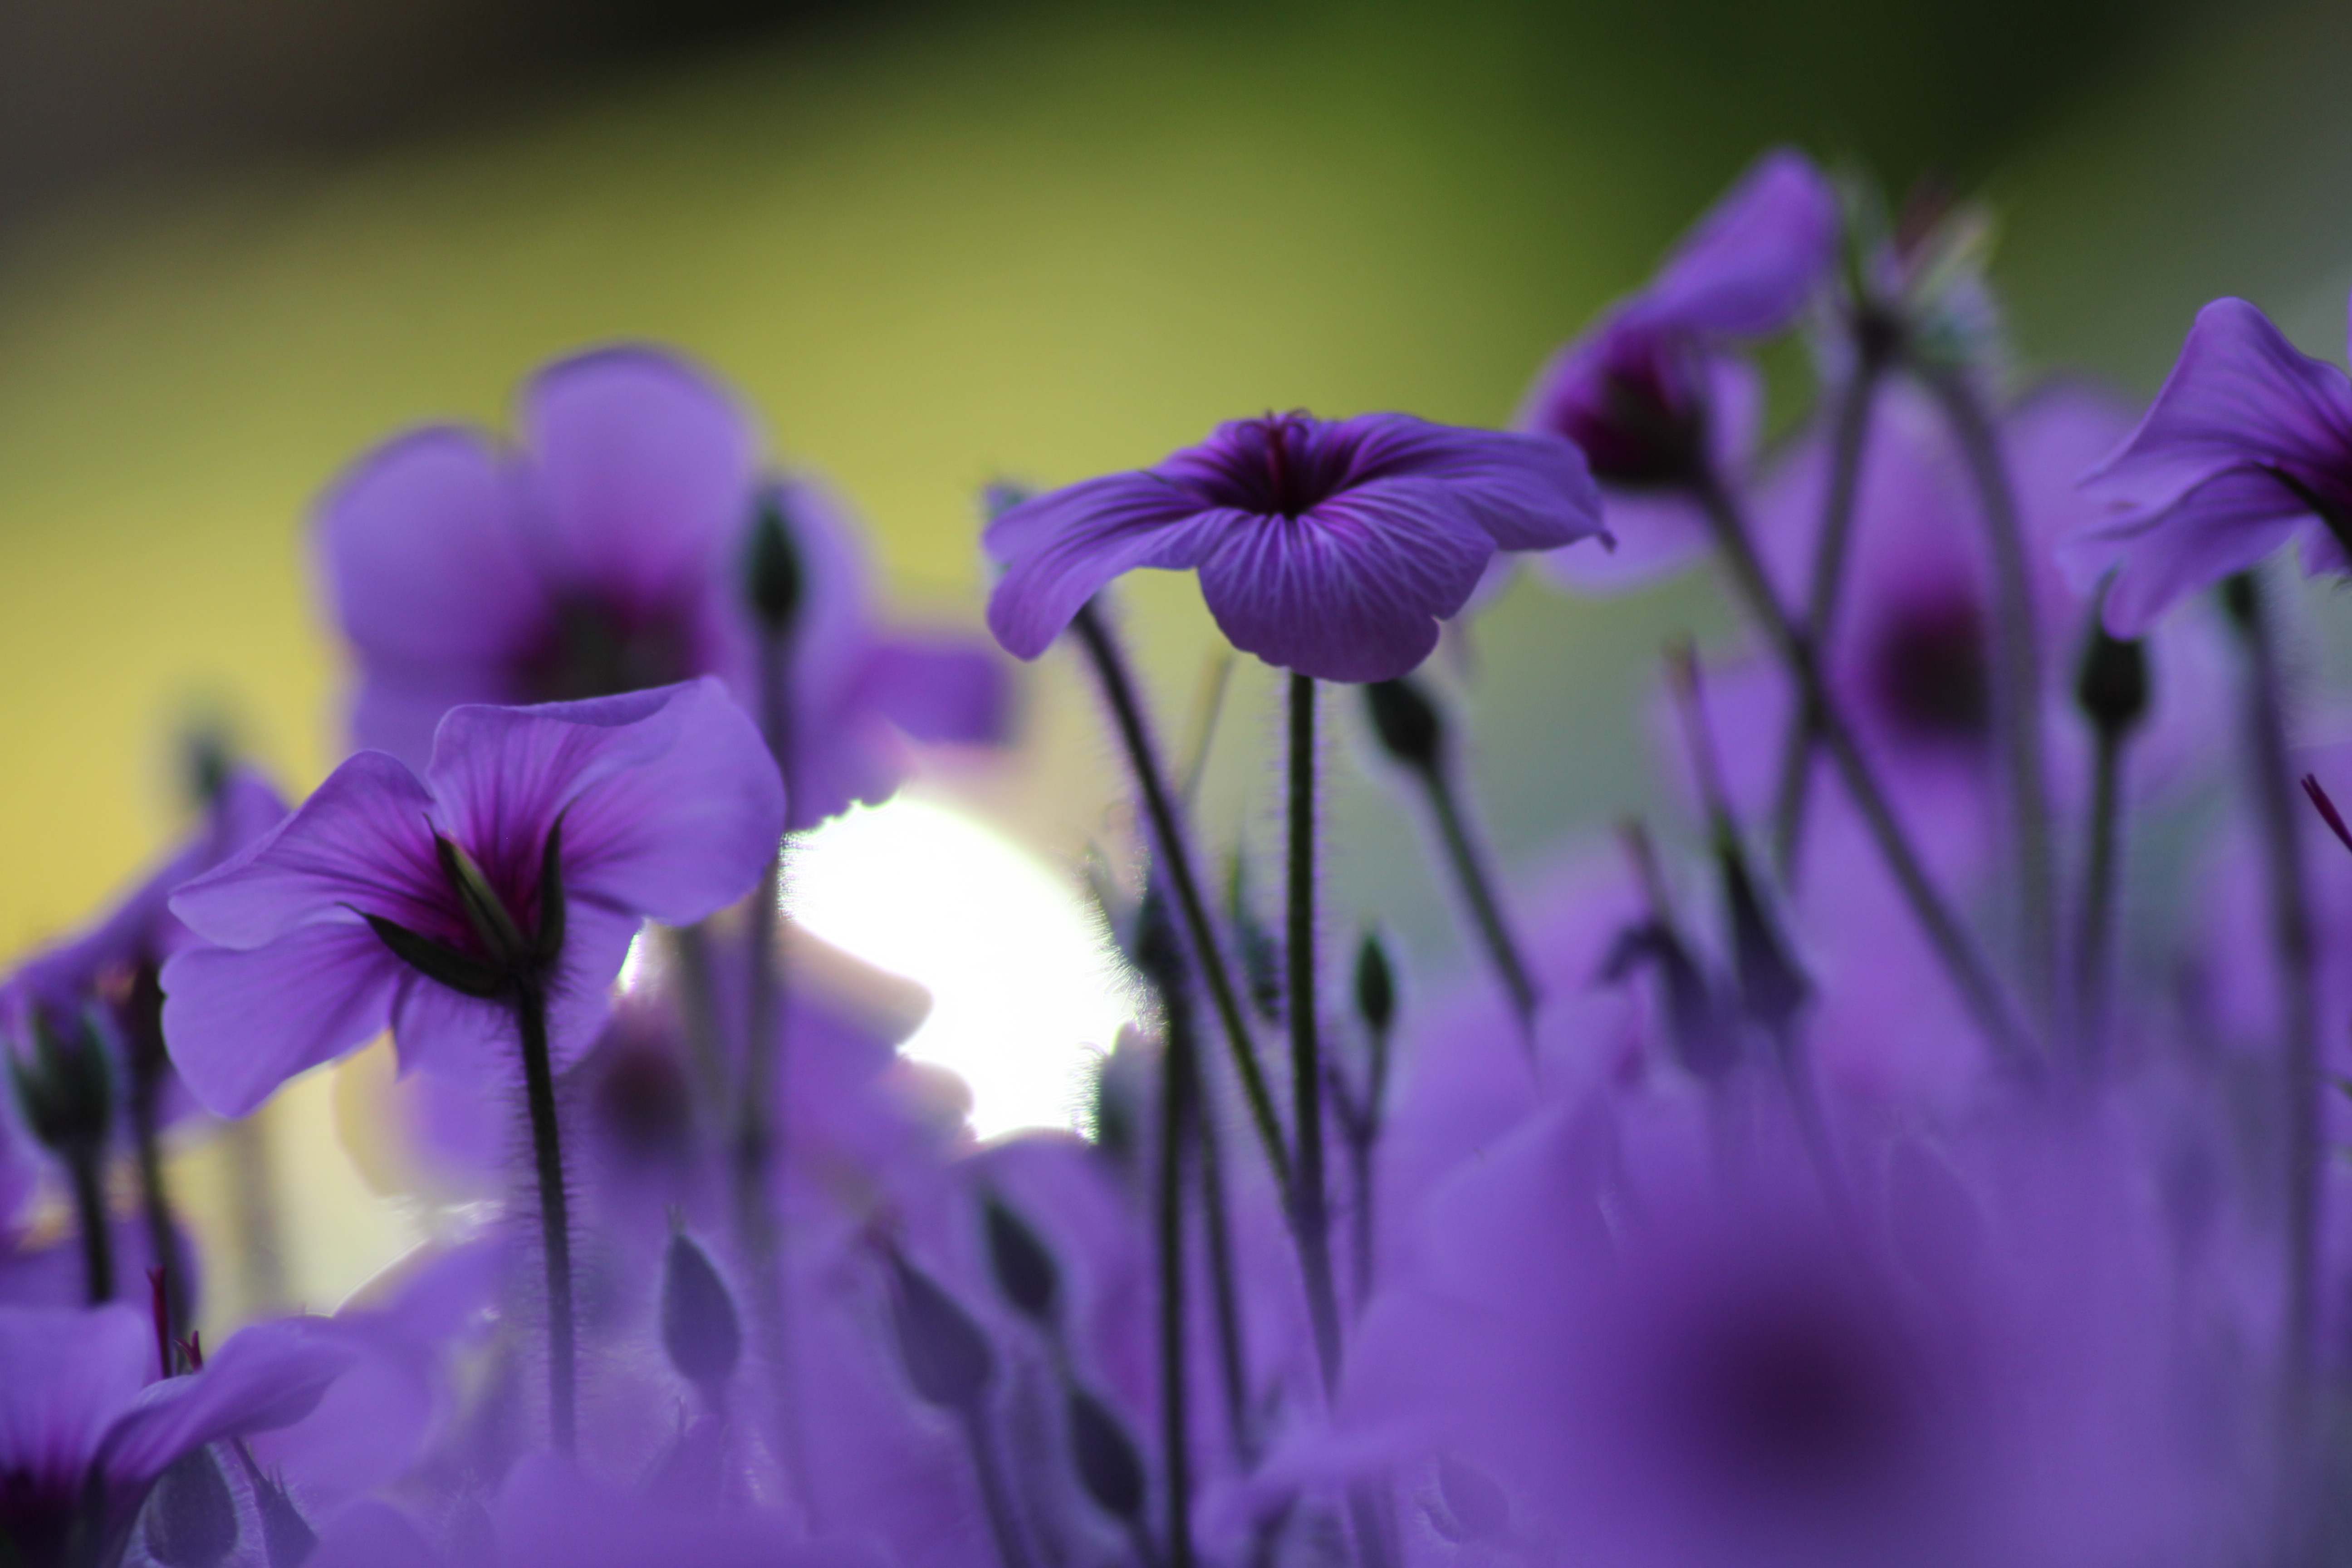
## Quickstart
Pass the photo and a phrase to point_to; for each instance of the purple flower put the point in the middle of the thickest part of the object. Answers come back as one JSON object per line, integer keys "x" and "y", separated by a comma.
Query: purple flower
{"x": 606, "y": 555}
{"x": 1329, "y": 548}
{"x": 2248, "y": 444}
{"x": 85, "y": 1430}
{"x": 1650, "y": 393}
{"x": 540, "y": 838}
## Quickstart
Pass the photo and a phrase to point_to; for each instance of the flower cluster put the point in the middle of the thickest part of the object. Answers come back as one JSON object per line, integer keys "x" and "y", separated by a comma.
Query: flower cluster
{"x": 1875, "y": 1158}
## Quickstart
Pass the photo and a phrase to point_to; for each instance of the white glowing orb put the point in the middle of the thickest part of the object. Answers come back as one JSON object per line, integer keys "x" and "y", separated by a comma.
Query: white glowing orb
{"x": 1023, "y": 992}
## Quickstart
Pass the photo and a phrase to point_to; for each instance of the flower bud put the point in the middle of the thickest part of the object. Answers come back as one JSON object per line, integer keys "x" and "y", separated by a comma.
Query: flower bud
{"x": 66, "y": 1085}
{"x": 2111, "y": 683}
{"x": 191, "y": 1515}
{"x": 948, "y": 1359}
{"x": 1771, "y": 987}
{"x": 699, "y": 1328}
{"x": 772, "y": 566}
{"x": 1024, "y": 1270}
{"x": 1108, "y": 1467}
{"x": 287, "y": 1538}
{"x": 1408, "y": 725}
{"x": 1375, "y": 985}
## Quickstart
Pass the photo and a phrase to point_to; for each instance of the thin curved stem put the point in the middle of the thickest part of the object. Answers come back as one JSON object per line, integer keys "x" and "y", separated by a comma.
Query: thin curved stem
{"x": 1168, "y": 836}
{"x": 1849, "y": 437}
{"x": 1478, "y": 892}
{"x": 2095, "y": 938}
{"x": 86, "y": 1170}
{"x": 1981, "y": 993}
{"x": 2018, "y": 689}
{"x": 554, "y": 1214}
{"x": 1310, "y": 1209}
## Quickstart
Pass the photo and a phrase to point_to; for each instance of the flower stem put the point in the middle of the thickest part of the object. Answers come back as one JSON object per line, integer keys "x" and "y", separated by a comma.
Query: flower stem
{"x": 1233, "y": 1362}
{"x": 2094, "y": 940}
{"x": 2291, "y": 931}
{"x": 1309, "y": 1210}
{"x": 2018, "y": 689}
{"x": 1176, "y": 1118}
{"x": 1478, "y": 891}
{"x": 1849, "y": 435}
{"x": 261, "y": 1249}
{"x": 155, "y": 1198}
{"x": 554, "y": 1212}
{"x": 1127, "y": 713}
{"x": 995, "y": 1495}
{"x": 1979, "y": 992}
{"x": 86, "y": 1170}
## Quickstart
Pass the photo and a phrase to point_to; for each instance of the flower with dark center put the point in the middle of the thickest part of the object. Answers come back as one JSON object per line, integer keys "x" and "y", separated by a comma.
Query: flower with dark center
{"x": 1329, "y": 548}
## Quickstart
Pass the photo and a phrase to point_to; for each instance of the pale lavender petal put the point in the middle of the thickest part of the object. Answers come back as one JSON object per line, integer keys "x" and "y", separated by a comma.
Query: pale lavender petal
{"x": 270, "y": 1375}
{"x": 641, "y": 472}
{"x": 363, "y": 839}
{"x": 1063, "y": 548}
{"x": 1753, "y": 262}
{"x": 424, "y": 563}
{"x": 241, "y": 1022}
{"x": 70, "y": 1373}
{"x": 940, "y": 689}
{"x": 2239, "y": 395}
{"x": 1351, "y": 590}
{"x": 1658, "y": 533}
{"x": 371, "y": 1534}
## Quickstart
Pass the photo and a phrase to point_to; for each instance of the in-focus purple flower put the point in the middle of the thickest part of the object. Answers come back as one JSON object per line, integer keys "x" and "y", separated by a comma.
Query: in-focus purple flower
{"x": 1329, "y": 548}
{"x": 85, "y": 1429}
{"x": 2248, "y": 444}
{"x": 606, "y": 553}
{"x": 1653, "y": 393}
{"x": 539, "y": 838}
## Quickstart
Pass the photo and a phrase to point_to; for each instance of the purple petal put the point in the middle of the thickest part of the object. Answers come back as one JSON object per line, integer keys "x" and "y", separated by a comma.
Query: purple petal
{"x": 1528, "y": 491}
{"x": 464, "y": 1040}
{"x": 423, "y": 561}
{"x": 940, "y": 689}
{"x": 363, "y": 839}
{"x": 2224, "y": 525}
{"x": 371, "y": 1534}
{"x": 641, "y": 472}
{"x": 241, "y": 1022}
{"x": 1754, "y": 260}
{"x": 1061, "y": 549}
{"x": 71, "y": 1372}
{"x": 1351, "y": 590}
{"x": 270, "y": 1375}
{"x": 2239, "y": 395}
{"x": 670, "y": 802}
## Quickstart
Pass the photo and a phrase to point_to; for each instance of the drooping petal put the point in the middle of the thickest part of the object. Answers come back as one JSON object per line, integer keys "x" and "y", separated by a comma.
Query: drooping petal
{"x": 71, "y": 1372}
{"x": 1351, "y": 590}
{"x": 1752, "y": 263}
{"x": 640, "y": 476}
{"x": 1061, "y": 549}
{"x": 270, "y": 1375}
{"x": 241, "y": 1022}
{"x": 423, "y": 561}
{"x": 671, "y": 805}
{"x": 2227, "y": 524}
{"x": 2239, "y": 395}
{"x": 1528, "y": 491}
{"x": 363, "y": 839}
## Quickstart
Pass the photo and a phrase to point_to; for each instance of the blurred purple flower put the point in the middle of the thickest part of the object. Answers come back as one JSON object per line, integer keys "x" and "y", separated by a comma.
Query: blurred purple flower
{"x": 1651, "y": 393}
{"x": 1328, "y": 548}
{"x": 606, "y": 555}
{"x": 85, "y": 1429}
{"x": 659, "y": 804}
{"x": 2247, "y": 446}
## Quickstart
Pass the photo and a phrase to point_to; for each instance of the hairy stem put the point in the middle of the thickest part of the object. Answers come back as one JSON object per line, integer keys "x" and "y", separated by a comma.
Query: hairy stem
{"x": 1980, "y": 991}
{"x": 1176, "y": 1118}
{"x": 554, "y": 1212}
{"x": 1849, "y": 437}
{"x": 1478, "y": 891}
{"x": 1224, "y": 1293}
{"x": 2018, "y": 689}
{"x": 1168, "y": 836}
{"x": 1311, "y": 1212}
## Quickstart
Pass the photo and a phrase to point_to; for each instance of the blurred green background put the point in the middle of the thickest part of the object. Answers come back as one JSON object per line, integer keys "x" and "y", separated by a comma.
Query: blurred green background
{"x": 240, "y": 240}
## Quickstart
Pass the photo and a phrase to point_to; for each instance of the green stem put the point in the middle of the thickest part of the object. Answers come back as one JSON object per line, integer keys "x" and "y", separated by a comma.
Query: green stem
{"x": 2018, "y": 689}
{"x": 1849, "y": 435}
{"x": 995, "y": 1494}
{"x": 155, "y": 1198}
{"x": 554, "y": 1212}
{"x": 1224, "y": 1292}
{"x": 2094, "y": 938}
{"x": 1973, "y": 978}
{"x": 1310, "y": 1212}
{"x": 1478, "y": 891}
{"x": 86, "y": 1170}
{"x": 1167, "y": 834}
{"x": 1176, "y": 1118}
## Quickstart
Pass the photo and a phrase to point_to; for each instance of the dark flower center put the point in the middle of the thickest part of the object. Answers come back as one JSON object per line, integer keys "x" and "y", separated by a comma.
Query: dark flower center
{"x": 596, "y": 647}
{"x": 1640, "y": 421}
{"x": 1791, "y": 1400}
{"x": 641, "y": 1101}
{"x": 38, "y": 1518}
{"x": 1930, "y": 673}
{"x": 1275, "y": 467}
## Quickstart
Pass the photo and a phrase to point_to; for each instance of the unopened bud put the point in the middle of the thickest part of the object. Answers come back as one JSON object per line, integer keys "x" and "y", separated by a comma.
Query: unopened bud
{"x": 1771, "y": 987}
{"x": 1407, "y": 723}
{"x": 1109, "y": 1466}
{"x": 700, "y": 1326}
{"x": 65, "y": 1084}
{"x": 1375, "y": 985}
{"x": 2111, "y": 683}
{"x": 1024, "y": 1270}
{"x": 191, "y": 1515}
{"x": 772, "y": 566}
{"x": 287, "y": 1538}
{"x": 948, "y": 1359}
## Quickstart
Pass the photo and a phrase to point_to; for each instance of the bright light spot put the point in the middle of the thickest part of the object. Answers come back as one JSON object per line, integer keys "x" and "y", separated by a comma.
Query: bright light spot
{"x": 1023, "y": 992}
{"x": 633, "y": 965}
